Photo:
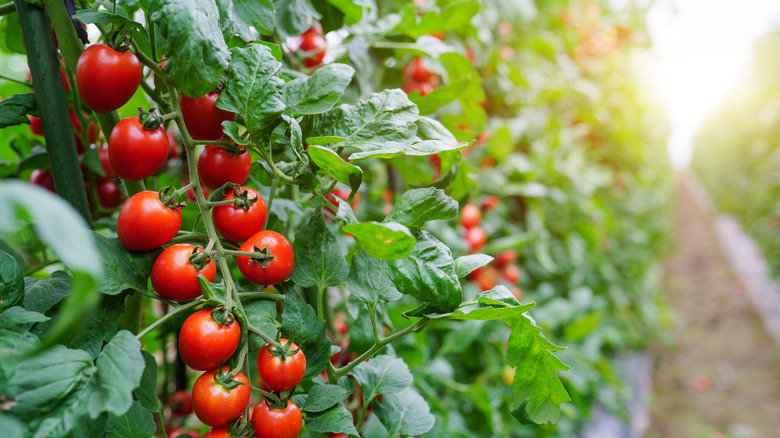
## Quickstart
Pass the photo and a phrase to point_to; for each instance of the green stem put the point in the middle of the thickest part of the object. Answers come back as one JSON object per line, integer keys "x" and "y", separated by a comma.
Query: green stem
{"x": 53, "y": 106}
{"x": 131, "y": 318}
{"x": 155, "y": 96}
{"x": 373, "y": 324}
{"x": 263, "y": 296}
{"x": 254, "y": 255}
{"x": 320, "y": 302}
{"x": 18, "y": 81}
{"x": 212, "y": 142}
{"x": 416, "y": 327}
{"x": 264, "y": 336}
{"x": 176, "y": 310}
{"x": 265, "y": 394}
{"x": 7, "y": 8}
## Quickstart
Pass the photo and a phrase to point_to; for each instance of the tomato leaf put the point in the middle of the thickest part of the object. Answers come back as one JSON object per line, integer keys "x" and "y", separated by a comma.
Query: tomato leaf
{"x": 385, "y": 241}
{"x": 322, "y": 397}
{"x": 146, "y": 392}
{"x": 352, "y": 9}
{"x": 42, "y": 295}
{"x": 336, "y": 419}
{"x": 14, "y": 109}
{"x": 332, "y": 164}
{"x": 369, "y": 125}
{"x": 319, "y": 92}
{"x": 13, "y": 349}
{"x": 345, "y": 214}
{"x": 261, "y": 313}
{"x": 191, "y": 36}
{"x": 11, "y": 427}
{"x": 19, "y": 320}
{"x": 294, "y": 139}
{"x": 382, "y": 375}
{"x": 11, "y": 282}
{"x": 101, "y": 325}
{"x": 292, "y": 16}
{"x": 428, "y": 275}
{"x": 123, "y": 269}
{"x": 318, "y": 258}
{"x": 253, "y": 88}
{"x": 300, "y": 321}
{"x": 418, "y": 206}
{"x": 454, "y": 15}
{"x": 439, "y": 97}
{"x": 323, "y": 140}
{"x": 404, "y": 413}
{"x": 368, "y": 281}
{"x": 135, "y": 423}
{"x": 237, "y": 16}
{"x": 465, "y": 265}
{"x": 103, "y": 17}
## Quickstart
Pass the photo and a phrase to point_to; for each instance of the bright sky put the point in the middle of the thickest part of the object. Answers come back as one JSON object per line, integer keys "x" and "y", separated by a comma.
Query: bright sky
{"x": 703, "y": 48}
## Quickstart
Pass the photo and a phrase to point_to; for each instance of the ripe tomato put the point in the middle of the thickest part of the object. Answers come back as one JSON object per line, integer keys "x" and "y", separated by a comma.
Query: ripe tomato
{"x": 277, "y": 269}
{"x": 180, "y": 403}
{"x": 204, "y": 344}
{"x": 276, "y": 423}
{"x": 476, "y": 237}
{"x": 470, "y": 216}
{"x": 417, "y": 71}
{"x": 109, "y": 194}
{"x": 238, "y": 224}
{"x": 174, "y": 432}
{"x": 506, "y": 257}
{"x": 217, "y": 166}
{"x": 202, "y": 118}
{"x": 218, "y": 432}
{"x": 486, "y": 278}
{"x": 424, "y": 88}
{"x": 175, "y": 278}
{"x": 134, "y": 152}
{"x": 146, "y": 223}
{"x": 490, "y": 202}
{"x": 35, "y": 125}
{"x": 107, "y": 78}
{"x": 281, "y": 375}
{"x": 511, "y": 273}
{"x": 216, "y": 405}
{"x": 43, "y": 178}
{"x": 315, "y": 45}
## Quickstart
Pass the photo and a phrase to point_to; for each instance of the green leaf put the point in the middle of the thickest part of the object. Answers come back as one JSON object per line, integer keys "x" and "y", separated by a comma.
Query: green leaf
{"x": 55, "y": 222}
{"x": 428, "y": 275}
{"x": 368, "y": 281}
{"x": 37, "y": 158}
{"x": 318, "y": 258}
{"x": 323, "y": 140}
{"x": 11, "y": 427}
{"x": 103, "y": 17}
{"x": 439, "y": 97}
{"x": 58, "y": 388}
{"x": 293, "y": 140}
{"x": 12, "y": 31}
{"x": 322, "y": 397}
{"x": 383, "y": 375}
{"x": 261, "y": 313}
{"x": 13, "y": 349}
{"x": 332, "y": 164}
{"x": 256, "y": 13}
{"x": 405, "y": 413}
{"x": 385, "y": 241}
{"x": 465, "y": 265}
{"x": 100, "y": 327}
{"x": 337, "y": 419}
{"x": 191, "y": 37}
{"x": 352, "y": 9}
{"x": 384, "y": 117}
{"x": 418, "y": 206}
{"x": 11, "y": 281}
{"x": 146, "y": 392}
{"x": 14, "y": 110}
{"x": 253, "y": 88}
{"x": 345, "y": 214}
{"x": 42, "y": 295}
{"x": 19, "y": 320}
{"x": 421, "y": 148}
{"x": 123, "y": 269}
{"x": 319, "y": 92}
{"x": 135, "y": 423}
{"x": 292, "y": 16}
{"x": 300, "y": 321}
{"x": 454, "y": 15}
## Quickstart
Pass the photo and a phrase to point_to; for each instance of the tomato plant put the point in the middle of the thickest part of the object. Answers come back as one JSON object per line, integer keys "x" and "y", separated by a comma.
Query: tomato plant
{"x": 373, "y": 161}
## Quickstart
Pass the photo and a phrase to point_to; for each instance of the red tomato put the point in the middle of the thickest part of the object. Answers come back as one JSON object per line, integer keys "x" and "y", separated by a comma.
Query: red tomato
{"x": 486, "y": 278}
{"x": 175, "y": 278}
{"x": 107, "y": 78}
{"x": 174, "y": 432}
{"x": 511, "y": 273}
{"x": 218, "y": 432}
{"x": 237, "y": 224}
{"x": 517, "y": 293}
{"x": 145, "y": 223}
{"x": 35, "y": 125}
{"x": 281, "y": 375}
{"x": 277, "y": 269}
{"x": 417, "y": 71}
{"x": 204, "y": 344}
{"x": 476, "y": 237}
{"x": 109, "y": 194}
{"x": 315, "y": 45}
{"x": 216, "y": 405}
{"x": 506, "y": 257}
{"x": 276, "y": 423}
{"x": 436, "y": 164}
{"x": 202, "y": 117}
{"x": 470, "y": 216}
{"x": 43, "y": 178}
{"x": 490, "y": 202}
{"x": 180, "y": 403}
{"x": 134, "y": 152}
{"x": 217, "y": 166}
{"x": 424, "y": 88}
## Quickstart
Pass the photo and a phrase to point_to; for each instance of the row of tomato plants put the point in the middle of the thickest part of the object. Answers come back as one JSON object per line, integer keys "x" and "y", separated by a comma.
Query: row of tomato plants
{"x": 290, "y": 126}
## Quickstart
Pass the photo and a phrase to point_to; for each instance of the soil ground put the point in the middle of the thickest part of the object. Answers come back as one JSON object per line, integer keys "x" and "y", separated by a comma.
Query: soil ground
{"x": 721, "y": 376}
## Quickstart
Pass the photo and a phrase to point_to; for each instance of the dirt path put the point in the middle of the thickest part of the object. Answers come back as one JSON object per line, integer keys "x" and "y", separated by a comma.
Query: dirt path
{"x": 721, "y": 378}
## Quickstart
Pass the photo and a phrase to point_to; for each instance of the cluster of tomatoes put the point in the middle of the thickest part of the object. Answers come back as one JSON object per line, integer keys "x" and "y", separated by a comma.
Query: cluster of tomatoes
{"x": 503, "y": 268}
{"x": 418, "y": 77}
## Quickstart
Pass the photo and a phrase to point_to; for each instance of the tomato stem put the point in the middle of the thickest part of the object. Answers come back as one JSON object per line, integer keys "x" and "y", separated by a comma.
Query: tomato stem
{"x": 176, "y": 310}
{"x": 274, "y": 398}
{"x": 7, "y": 8}
{"x": 263, "y": 296}
{"x": 320, "y": 302}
